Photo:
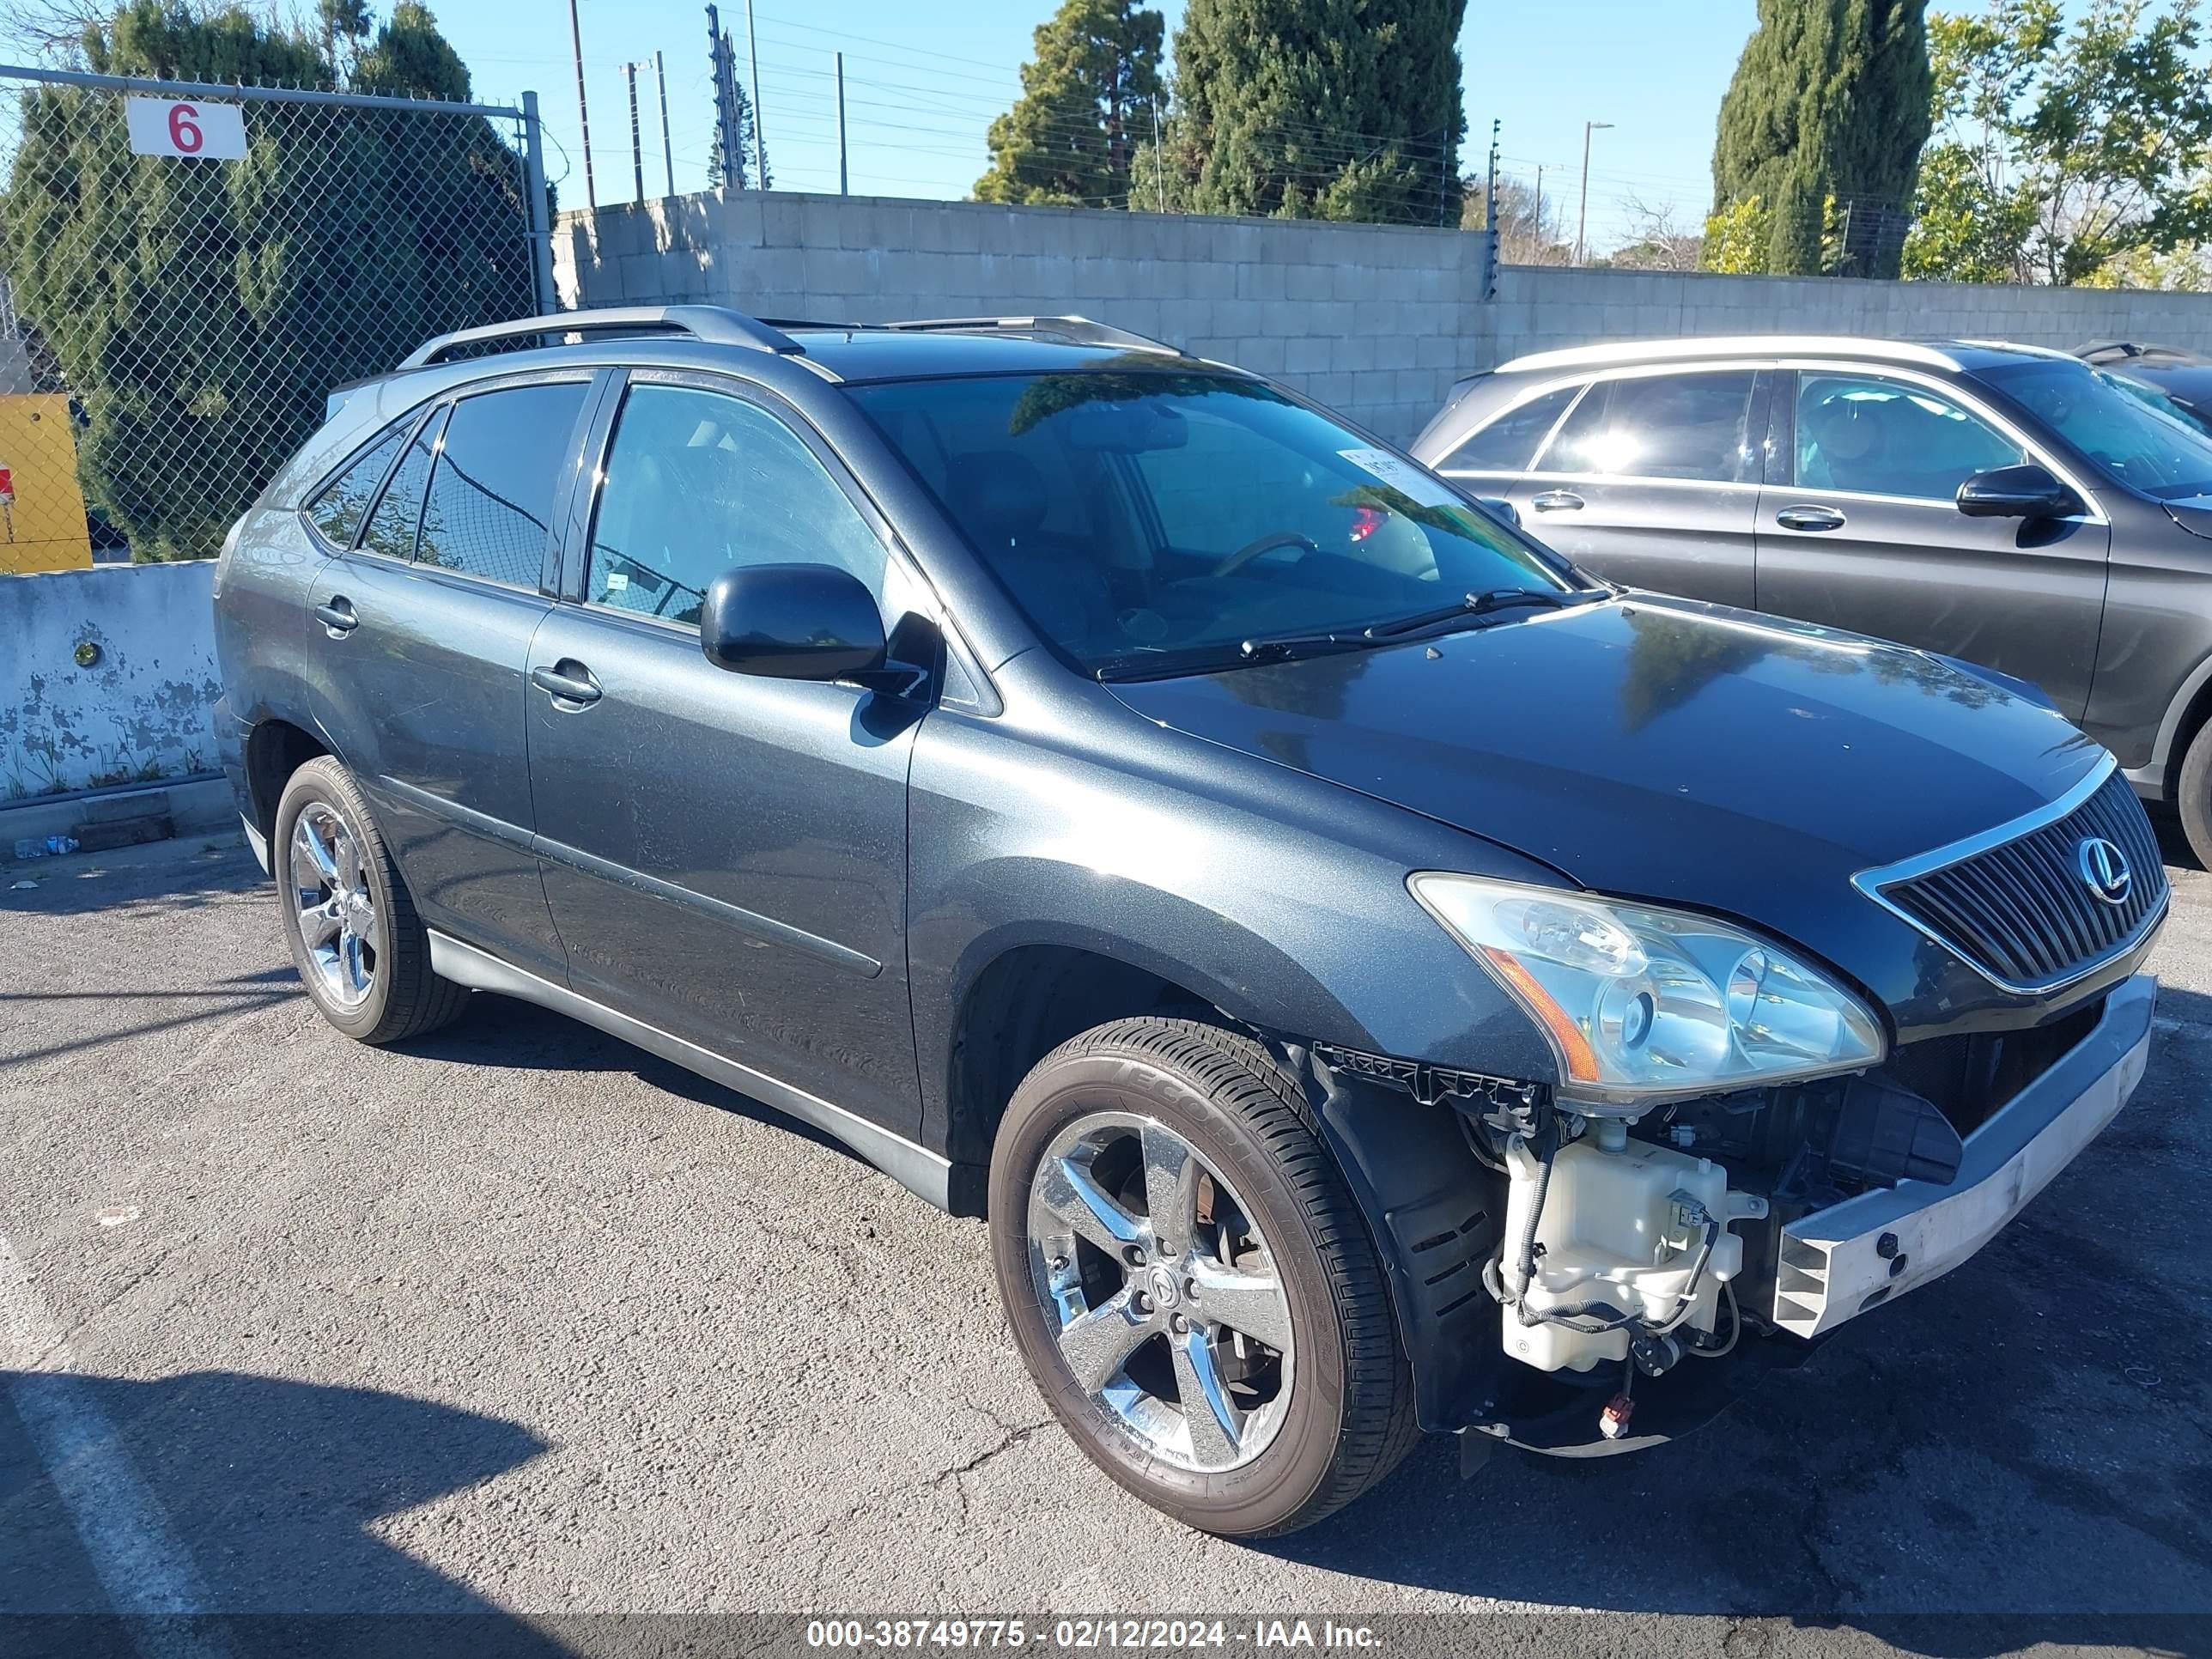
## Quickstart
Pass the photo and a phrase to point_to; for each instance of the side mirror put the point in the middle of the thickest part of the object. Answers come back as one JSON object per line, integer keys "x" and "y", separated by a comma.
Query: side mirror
{"x": 791, "y": 621}
{"x": 2016, "y": 492}
{"x": 1502, "y": 508}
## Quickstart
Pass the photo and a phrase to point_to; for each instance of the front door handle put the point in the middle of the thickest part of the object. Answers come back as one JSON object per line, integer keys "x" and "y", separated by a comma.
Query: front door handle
{"x": 337, "y": 617}
{"x": 1810, "y": 518}
{"x": 1557, "y": 501}
{"x": 568, "y": 681}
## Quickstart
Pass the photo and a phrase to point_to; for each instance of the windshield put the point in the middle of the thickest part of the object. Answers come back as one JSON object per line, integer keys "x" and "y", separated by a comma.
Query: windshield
{"x": 1155, "y": 520}
{"x": 2133, "y": 440}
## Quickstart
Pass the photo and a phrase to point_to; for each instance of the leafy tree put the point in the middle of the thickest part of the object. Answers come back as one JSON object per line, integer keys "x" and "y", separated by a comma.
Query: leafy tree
{"x": 1092, "y": 93}
{"x": 1829, "y": 102}
{"x": 731, "y": 176}
{"x": 202, "y": 311}
{"x": 2061, "y": 152}
{"x": 1322, "y": 109}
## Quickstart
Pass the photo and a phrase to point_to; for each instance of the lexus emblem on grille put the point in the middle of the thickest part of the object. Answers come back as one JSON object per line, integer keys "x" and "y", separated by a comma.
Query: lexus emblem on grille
{"x": 2104, "y": 869}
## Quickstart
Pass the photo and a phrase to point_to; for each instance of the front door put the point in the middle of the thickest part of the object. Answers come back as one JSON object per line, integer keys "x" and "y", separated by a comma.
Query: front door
{"x": 1859, "y": 528}
{"x": 1652, "y": 480}
{"x": 726, "y": 854}
{"x": 418, "y": 637}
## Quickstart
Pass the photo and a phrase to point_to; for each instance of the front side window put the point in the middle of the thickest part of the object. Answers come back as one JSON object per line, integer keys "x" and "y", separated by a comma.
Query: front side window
{"x": 1149, "y": 520}
{"x": 698, "y": 482}
{"x": 1883, "y": 437}
{"x": 1509, "y": 443}
{"x": 343, "y": 503}
{"x": 2135, "y": 436}
{"x": 491, "y": 507}
{"x": 1695, "y": 426}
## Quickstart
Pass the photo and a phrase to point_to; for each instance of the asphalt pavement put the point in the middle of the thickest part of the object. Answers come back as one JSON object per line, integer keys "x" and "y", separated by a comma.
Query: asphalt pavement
{"x": 522, "y": 1326}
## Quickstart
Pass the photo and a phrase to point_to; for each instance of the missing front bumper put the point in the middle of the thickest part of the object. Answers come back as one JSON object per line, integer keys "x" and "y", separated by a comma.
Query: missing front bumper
{"x": 1837, "y": 1263}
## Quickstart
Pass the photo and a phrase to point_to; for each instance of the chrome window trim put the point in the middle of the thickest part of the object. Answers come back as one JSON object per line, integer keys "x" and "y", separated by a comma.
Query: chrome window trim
{"x": 1586, "y": 379}
{"x": 1870, "y": 883}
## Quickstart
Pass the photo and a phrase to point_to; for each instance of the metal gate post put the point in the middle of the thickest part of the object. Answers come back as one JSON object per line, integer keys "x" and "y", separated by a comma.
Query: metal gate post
{"x": 541, "y": 227}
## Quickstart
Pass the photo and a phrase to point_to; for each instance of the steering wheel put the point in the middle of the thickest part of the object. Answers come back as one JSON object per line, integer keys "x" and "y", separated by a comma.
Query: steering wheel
{"x": 1251, "y": 550}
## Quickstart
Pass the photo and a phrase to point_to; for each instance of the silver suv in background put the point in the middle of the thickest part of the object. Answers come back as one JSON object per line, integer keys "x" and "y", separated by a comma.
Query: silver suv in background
{"x": 1997, "y": 504}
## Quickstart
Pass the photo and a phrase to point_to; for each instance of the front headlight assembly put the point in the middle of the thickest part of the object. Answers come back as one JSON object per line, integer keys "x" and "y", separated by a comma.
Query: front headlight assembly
{"x": 1644, "y": 1005}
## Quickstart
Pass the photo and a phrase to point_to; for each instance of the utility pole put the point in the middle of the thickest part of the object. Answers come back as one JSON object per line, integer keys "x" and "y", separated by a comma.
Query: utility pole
{"x": 637, "y": 140}
{"x": 729, "y": 174}
{"x": 667, "y": 155}
{"x": 1581, "y": 218}
{"x": 1159, "y": 159}
{"x": 844, "y": 181}
{"x": 583, "y": 109}
{"x": 760, "y": 137}
{"x": 1536, "y": 220}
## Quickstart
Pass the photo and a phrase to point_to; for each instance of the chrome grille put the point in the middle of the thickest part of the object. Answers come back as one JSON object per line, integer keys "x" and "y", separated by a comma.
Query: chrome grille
{"x": 2023, "y": 912}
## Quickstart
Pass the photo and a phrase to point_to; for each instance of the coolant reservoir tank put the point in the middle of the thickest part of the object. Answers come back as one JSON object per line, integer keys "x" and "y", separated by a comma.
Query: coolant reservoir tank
{"x": 1621, "y": 1227}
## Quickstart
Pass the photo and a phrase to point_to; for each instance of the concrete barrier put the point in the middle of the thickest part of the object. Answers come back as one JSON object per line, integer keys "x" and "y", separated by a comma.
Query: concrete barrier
{"x": 107, "y": 676}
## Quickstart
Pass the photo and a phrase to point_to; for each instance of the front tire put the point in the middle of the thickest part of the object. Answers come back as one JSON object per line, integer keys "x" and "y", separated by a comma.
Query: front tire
{"x": 1190, "y": 1282}
{"x": 359, "y": 946}
{"x": 2193, "y": 794}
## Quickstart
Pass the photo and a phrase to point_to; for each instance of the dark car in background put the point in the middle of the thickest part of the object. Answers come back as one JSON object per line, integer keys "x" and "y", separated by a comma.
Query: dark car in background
{"x": 2171, "y": 377}
{"x": 1373, "y": 975}
{"x": 1995, "y": 504}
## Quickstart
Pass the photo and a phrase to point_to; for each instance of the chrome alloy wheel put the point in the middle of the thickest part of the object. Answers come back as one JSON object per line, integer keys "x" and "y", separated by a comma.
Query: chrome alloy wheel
{"x": 1168, "y": 1310}
{"x": 336, "y": 906}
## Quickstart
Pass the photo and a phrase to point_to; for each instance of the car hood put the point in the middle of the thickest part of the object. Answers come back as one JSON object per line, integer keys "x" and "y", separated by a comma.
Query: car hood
{"x": 1667, "y": 750}
{"x": 2193, "y": 513}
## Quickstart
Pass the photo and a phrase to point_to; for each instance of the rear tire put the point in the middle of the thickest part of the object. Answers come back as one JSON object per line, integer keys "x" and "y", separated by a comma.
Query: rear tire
{"x": 359, "y": 948}
{"x": 1315, "y": 1399}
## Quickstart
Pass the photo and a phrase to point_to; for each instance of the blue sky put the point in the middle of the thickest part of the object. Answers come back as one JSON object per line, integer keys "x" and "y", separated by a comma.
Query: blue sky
{"x": 924, "y": 77}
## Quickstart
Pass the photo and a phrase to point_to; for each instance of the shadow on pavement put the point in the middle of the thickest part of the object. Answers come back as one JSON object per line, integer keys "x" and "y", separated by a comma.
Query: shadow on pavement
{"x": 272, "y": 1489}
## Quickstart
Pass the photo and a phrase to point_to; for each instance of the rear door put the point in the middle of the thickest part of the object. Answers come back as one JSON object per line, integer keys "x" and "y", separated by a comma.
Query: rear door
{"x": 1859, "y": 528}
{"x": 1651, "y": 479}
{"x": 418, "y": 636}
{"x": 725, "y": 854}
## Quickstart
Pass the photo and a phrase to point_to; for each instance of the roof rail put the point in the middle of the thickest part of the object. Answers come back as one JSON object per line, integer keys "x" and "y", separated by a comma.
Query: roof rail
{"x": 1080, "y": 329}
{"x": 714, "y": 324}
{"x": 1626, "y": 352}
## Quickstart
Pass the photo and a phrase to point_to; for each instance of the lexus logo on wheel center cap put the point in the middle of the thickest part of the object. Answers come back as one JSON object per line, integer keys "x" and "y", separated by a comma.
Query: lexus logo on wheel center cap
{"x": 2104, "y": 869}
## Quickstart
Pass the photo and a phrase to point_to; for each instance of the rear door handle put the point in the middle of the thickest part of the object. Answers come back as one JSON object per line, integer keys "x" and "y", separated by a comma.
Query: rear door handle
{"x": 568, "y": 681}
{"x": 1810, "y": 518}
{"x": 1557, "y": 501}
{"x": 337, "y": 617}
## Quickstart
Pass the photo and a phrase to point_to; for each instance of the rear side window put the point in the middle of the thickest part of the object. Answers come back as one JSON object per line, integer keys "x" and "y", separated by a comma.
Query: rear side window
{"x": 1508, "y": 443}
{"x": 697, "y": 482}
{"x": 392, "y": 531}
{"x": 1663, "y": 426}
{"x": 491, "y": 507}
{"x": 338, "y": 511}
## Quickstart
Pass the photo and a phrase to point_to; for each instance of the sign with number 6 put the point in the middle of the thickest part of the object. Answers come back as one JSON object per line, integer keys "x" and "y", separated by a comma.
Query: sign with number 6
{"x": 194, "y": 131}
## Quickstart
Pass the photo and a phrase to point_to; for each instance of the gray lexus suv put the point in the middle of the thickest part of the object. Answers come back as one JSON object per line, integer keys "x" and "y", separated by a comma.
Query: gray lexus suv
{"x": 1372, "y": 974}
{"x": 1999, "y": 504}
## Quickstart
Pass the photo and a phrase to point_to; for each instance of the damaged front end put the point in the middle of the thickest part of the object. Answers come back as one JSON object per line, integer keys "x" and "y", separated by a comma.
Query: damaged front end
{"x": 1566, "y": 1276}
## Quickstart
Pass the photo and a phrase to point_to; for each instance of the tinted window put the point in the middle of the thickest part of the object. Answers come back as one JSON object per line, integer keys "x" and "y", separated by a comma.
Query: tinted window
{"x": 697, "y": 482}
{"x": 491, "y": 498}
{"x": 1254, "y": 518}
{"x": 338, "y": 511}
{"x": 2133, "y": 433}
{"x": 1661, "y": 426}
{"x": 1506, "y": 444}
{"x": 1890, "y": 438}
{"x": 391, "y": 531}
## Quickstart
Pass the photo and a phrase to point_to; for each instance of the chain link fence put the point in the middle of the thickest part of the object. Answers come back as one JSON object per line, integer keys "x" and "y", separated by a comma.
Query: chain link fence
{"x": 187, "y": 271}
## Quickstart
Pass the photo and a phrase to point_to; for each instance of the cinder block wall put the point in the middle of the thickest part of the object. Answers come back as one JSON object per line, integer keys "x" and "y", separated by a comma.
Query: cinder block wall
{"x": 1377, "y": 320}
{"x": 140, "y": 711}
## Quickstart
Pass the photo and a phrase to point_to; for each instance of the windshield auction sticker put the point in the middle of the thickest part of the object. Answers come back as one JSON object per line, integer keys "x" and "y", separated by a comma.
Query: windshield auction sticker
{"x": 1406, "y": 480}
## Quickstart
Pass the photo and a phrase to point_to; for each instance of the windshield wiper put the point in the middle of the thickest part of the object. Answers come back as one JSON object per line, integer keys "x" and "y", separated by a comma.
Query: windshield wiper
{"x": 1480, "y": 605}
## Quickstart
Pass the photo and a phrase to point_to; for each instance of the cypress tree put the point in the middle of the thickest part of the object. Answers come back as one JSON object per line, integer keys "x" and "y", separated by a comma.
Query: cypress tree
{"x": 1829, "y": 104}
{"x": 1090, "y": 94}
{"x": 1328, "y": 109}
